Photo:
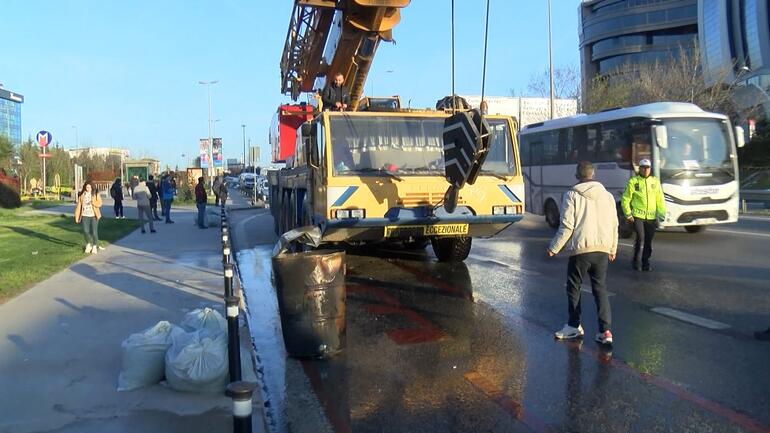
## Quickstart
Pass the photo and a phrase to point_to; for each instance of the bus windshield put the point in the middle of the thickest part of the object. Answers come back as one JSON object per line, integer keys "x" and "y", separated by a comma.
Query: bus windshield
{"x": 406, "y": 145}
{"x": 696, "y": 145}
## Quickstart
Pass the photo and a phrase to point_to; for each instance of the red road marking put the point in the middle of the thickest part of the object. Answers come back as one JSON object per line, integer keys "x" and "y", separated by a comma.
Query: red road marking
{"x": 424, "y": 332}
{"x": 732, "y": 415}
{"x": 514, "y": 408}
{"x": 439, "y": 283}
{"x": 339, "y": 424}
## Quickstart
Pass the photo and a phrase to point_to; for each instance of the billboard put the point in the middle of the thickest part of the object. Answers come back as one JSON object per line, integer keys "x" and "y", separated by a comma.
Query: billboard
{"x": 204, "y": 152}
{"x": 217, "y": 152}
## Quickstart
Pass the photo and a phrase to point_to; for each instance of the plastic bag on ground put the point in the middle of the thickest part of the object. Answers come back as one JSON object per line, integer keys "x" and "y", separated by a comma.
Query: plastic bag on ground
{"x": 289, "y": 241}
{"x": 197, "y": 362}
{"x": 204, "y": 319}
{"x": 144, "y": 355}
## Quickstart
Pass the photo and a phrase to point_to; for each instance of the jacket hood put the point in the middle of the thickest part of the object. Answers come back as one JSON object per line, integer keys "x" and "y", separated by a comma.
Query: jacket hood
{"x": 592, "y": 190}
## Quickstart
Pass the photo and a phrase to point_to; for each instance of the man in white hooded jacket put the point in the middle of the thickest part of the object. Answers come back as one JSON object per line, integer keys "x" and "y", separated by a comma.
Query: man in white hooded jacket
{"x": 589, "y": 230}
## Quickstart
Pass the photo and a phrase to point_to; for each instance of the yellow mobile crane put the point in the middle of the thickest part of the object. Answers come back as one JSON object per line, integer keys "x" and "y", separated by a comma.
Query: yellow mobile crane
{"x": 378, "y": 175}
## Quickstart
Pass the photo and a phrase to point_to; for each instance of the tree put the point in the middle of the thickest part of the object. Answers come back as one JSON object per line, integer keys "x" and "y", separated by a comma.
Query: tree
{"x": 756, "y": 153}
{"x": 30, "y": 162}
{"x": 6, "y": 152}
{"x": 566, "y": 83}
{"x": 60, "y": 163}
{"x": 679, "y": 79}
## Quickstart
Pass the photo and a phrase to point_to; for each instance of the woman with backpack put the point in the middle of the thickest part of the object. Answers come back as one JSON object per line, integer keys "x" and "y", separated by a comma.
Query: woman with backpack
{"x": 116, "y": 192}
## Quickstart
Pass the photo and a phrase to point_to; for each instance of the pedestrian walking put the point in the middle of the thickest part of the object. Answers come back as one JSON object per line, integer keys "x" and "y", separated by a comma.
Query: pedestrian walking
{"x": 116, "y": 192}
{"x": 87, "y": 213}
{"x": 142, "y": 197}
{"x": 589, "y": 230}
{"x": 644, "y": 207}
{"x": 215, "y": 189}
{"x": 200, "y": 202}
{"x": 153, "y": 187}
{"x": 166, "y": 196}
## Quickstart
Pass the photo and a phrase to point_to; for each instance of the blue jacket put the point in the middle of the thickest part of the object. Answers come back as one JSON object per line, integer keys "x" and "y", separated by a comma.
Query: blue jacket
{"x": 166, "y": 189}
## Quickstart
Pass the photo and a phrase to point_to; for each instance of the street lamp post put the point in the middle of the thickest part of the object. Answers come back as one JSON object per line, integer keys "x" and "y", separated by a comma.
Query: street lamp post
{"x": 550, "y": 59}
{"x": 211, "y": 143}
{"x": 244, "y": 145}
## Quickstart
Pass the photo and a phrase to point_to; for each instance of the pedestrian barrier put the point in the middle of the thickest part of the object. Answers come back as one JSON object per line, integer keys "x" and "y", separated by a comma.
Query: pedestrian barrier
{"x": 241, "y": 392}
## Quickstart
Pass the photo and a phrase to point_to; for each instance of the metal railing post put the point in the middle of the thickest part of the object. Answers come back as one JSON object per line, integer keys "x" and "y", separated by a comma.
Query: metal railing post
{"x": 241, "y": 393}
{"x": 233, "y": 338}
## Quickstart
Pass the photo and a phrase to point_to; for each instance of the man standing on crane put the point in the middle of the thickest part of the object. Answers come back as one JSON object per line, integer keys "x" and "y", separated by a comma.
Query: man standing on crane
{"x": 335, "y": 97}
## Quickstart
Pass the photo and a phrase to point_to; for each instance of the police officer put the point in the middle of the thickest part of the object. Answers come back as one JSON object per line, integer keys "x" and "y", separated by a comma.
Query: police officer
{"x": 643, "y": 206}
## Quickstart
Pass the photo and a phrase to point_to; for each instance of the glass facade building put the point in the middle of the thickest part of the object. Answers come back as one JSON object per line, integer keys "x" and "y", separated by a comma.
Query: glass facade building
{"x": 10, "y": 115}
{"x": 616, "y": 32}
{"x": 734, "y": 36}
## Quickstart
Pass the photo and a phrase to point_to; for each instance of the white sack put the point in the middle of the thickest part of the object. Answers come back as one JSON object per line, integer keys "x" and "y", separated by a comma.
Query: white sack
{"x": 197, "y": 361}
{"x": 144, "y": 356}
{"x": 205, "y": 319}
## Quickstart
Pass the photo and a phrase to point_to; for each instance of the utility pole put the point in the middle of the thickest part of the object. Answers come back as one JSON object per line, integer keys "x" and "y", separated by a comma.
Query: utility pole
{"x": 550, "y": 57}
{"x": 244, "y": 145}
{"x": 211, "y": 142}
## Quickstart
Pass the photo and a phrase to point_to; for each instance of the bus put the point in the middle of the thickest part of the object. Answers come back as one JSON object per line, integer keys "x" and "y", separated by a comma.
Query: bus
{"x": 693, "y": 153}
{"x": 369, "y": 176}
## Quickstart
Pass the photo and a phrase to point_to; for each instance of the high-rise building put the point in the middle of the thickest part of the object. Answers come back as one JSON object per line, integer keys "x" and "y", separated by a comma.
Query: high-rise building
{"x": 734, "y": 36}
{"x": 617, "y": 32}
{"x": 10, "y": 115}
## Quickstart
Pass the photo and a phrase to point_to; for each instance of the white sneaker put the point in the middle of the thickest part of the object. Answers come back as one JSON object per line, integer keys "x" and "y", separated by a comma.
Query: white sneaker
{"x": 88, "y": 248}
{"x": 568, "y": 332}
{"x": 94, "y": 249}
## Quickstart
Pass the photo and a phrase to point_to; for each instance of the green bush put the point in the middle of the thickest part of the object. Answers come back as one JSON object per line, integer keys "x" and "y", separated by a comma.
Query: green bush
{"x": 9, "y": 196}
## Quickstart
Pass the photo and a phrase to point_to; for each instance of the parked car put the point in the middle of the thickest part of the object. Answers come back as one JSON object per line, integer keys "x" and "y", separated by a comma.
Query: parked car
{"x": 246, "y": 181}
{"x": 756, "y": 187}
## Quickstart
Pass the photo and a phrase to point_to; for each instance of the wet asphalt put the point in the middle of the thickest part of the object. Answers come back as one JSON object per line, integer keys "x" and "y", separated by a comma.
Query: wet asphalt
{"x": 468, "y": 347}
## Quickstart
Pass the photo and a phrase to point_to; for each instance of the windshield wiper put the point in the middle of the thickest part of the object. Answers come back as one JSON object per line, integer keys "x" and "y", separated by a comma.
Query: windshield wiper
{"x": 380, "y": 171}
{"x": 493, "y": 174}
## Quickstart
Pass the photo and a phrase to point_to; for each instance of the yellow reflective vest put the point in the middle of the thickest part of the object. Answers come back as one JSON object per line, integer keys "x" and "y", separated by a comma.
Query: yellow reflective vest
{"x": 643, "y": 198}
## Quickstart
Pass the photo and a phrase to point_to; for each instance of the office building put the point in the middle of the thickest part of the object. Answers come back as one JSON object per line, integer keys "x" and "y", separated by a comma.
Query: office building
{"x": 618, "y": 32}
{"x": 10, "y": 115}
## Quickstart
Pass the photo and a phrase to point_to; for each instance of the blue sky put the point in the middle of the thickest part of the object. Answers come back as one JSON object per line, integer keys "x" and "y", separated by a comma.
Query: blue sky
{"x": 126, "y": 73}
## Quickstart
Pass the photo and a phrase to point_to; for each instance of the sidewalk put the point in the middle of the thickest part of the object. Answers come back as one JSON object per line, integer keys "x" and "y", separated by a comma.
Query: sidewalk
{"x": 60, "y": 351}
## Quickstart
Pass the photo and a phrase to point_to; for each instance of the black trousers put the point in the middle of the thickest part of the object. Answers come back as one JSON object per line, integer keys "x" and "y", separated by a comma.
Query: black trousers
{"x": 118, "y": 207}
{"x": 154, "y": 208}
{"x": 595, "y": 266}
{"x": 645, "y": 232}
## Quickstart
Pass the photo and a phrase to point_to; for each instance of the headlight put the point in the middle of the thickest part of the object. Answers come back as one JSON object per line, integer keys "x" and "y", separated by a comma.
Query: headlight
{"x": 343, "y": 213}
{"x": 357, "y": 213}
{"x": 350, "y": 213}
{"x": 498, "y": 210}
{"x": 510, "y": 210}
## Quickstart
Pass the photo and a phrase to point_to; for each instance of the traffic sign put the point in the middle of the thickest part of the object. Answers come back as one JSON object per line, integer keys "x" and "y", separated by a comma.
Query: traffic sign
{"x": 44, "y": 138}
{"x": 464, "y": 153}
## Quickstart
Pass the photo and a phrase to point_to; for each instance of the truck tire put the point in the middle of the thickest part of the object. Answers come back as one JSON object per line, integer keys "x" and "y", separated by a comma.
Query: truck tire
{"x": 552, "y": 217}
{"x": 694, "y": 229}
{"x": 451, "y": 249}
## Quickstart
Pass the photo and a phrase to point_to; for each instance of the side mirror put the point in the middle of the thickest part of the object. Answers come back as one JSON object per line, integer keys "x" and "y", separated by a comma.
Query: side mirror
{"x": 740, "y": 140}
{"x": 661, "y": 136}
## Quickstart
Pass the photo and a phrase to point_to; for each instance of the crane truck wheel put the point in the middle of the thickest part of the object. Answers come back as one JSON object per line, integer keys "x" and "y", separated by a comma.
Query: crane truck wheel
{"x": 552, "y": 216}
{"x": 451, "y": 249}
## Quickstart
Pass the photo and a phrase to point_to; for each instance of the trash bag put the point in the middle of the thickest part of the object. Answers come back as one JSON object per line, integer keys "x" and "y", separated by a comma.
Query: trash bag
{"x": 204, "y": 319}
{"x": 144, "y": 356}
{"x": 290, "y": 241}
{"x": 197, "y": 361}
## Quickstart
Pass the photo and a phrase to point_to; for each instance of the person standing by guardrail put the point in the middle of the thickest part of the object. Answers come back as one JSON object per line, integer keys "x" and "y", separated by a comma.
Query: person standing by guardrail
{"x": 643, "y": 206}
{"x": 200, "y": 201}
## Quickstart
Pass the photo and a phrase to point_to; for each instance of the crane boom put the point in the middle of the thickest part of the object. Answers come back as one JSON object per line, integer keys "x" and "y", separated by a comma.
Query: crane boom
{"x": 326, "y": 37}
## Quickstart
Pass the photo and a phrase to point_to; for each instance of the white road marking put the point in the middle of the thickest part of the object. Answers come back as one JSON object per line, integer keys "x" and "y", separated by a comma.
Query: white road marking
{"x": 754, "y": 218}
{"x": 736, "y": 232}
{"x": 626, "y": 245}
{"x": 690, "y": 318}
{"x": 503, "y": 264}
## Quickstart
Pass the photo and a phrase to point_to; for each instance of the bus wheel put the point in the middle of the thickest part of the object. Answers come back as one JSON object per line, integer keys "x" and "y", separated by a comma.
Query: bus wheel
{"x": 452, "y": 249}
{"x": 552, "y": 214}
{"x": 694, "y": 229}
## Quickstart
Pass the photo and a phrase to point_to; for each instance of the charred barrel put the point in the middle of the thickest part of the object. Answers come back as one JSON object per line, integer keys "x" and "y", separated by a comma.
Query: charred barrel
{"x": 311, "y": 297}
